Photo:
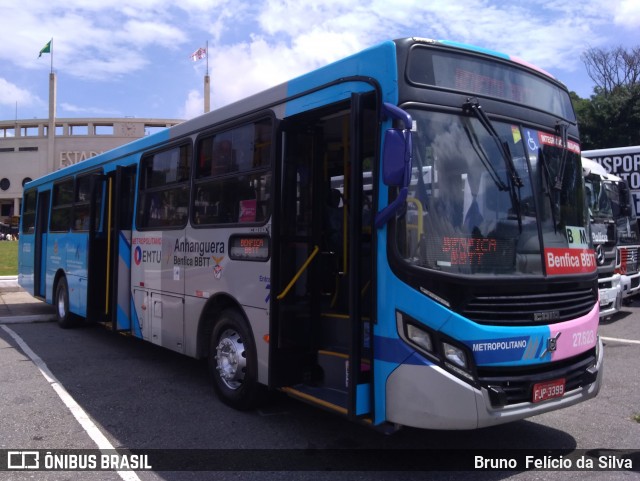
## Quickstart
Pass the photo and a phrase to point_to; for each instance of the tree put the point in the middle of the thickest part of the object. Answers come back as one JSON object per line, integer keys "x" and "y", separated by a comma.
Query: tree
{"x": 614, "y": 68}
{"x": 611, "y": 118}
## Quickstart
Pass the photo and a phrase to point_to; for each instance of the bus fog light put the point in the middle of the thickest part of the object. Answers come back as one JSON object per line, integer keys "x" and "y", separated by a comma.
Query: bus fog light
{"x": 420, "y": 337}
{"x": 455, "y": 355}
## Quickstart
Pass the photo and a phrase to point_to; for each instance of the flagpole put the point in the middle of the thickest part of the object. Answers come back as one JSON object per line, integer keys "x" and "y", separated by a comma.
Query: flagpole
{"x": 207, "y": 82}
{"x": 51, "y": 53}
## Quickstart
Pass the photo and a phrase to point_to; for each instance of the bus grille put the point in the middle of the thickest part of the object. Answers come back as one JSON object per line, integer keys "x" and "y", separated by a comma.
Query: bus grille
{"x": 531, "y": 308}
{"x": 508, "y": 386}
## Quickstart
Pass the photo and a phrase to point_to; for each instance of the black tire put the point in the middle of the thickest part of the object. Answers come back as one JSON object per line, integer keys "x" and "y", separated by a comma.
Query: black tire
{"x": 233, "y": 362}
{"x": 61, "y": 302}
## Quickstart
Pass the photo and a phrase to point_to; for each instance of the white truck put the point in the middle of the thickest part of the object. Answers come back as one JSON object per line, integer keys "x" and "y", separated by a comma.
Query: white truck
{"x": 599, "y": 186}
{"x": 623, "y": 166}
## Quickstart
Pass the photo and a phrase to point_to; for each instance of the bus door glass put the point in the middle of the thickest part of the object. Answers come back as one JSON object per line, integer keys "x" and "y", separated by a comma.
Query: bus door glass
{"x": 322, "y": 259}
{"x": 40, "y": 257}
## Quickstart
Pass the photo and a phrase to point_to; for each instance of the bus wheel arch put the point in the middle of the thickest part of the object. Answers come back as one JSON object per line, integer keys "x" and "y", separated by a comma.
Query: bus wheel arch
{"x": 215, "y": 305}
{"x": 233, "y": 362}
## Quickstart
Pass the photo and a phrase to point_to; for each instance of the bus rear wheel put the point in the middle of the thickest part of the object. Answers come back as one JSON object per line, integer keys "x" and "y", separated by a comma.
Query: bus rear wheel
{"x": 233, "y": 362}
{"x": 65, "y": 318}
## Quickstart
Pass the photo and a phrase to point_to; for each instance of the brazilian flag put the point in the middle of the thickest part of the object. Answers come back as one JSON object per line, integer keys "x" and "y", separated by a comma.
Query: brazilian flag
{"x": 46, "y": 48}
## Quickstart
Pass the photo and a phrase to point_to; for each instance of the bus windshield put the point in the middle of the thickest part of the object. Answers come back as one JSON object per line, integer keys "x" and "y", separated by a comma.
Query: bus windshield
{"x": 470, "y": 210}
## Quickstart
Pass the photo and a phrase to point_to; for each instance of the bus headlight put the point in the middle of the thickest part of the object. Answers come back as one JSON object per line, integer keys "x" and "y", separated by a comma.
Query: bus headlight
{"x": 420, "y": 337}
{"x": 455, "y": 359}
{"x": 439, "y": 349}
{"x": 455, "y": 355}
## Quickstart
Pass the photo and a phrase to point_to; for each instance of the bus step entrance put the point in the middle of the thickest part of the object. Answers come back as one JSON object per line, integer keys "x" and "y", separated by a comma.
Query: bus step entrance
{"x": 333, "y": 369}
{"x": 330, "y": 399}
{"x": 327, "y": 385}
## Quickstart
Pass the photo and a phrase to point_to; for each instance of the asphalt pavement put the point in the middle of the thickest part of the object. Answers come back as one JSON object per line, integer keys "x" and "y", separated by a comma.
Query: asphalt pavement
{"x": 17, "y": 305}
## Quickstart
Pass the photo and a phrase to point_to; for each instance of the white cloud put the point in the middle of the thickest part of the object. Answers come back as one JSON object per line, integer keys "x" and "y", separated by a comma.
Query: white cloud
{"x": 257, "y": 44}
{"x": 66, "y": 107}
{"x": 11, "y": 94}
{"x": 628, "y": 15}
{"x": 193, "y": 106}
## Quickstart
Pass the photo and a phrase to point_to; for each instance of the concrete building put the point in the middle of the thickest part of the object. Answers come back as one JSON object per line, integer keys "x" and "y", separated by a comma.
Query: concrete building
{"x": 32, "y": 148}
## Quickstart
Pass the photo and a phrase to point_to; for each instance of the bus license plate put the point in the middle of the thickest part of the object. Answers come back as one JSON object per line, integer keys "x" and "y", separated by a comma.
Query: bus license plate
{"x": 548, "y": 390}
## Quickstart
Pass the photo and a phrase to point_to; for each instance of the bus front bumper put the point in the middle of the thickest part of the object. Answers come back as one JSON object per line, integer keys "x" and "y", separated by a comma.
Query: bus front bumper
{"x": 431, "y": 398}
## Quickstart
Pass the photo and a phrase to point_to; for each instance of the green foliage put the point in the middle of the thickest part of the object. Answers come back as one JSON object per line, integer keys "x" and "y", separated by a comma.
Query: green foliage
{"x": 609, "y": 119}
{"x": 8, "y": 258}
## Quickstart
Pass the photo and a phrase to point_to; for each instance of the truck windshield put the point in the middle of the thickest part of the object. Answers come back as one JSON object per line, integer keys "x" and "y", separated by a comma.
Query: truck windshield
{"x": 623, "y": 211}
{"x": 465, "y": 214}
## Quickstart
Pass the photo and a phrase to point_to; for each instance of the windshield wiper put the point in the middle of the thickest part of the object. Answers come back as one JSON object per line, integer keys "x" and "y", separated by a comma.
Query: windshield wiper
{"x": 472, "y": 105}
{"x": 484, "y": 158}
{"x": 561, "y": 131}
{"x": 554, "y": 188}
{"x": 551, "y": 189}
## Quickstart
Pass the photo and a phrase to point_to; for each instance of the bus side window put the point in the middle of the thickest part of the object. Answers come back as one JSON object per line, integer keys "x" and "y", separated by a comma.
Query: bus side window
{"x": 205, "y": 153}
{"x": 223, "y": 158}
{"x": 164, "y": 188}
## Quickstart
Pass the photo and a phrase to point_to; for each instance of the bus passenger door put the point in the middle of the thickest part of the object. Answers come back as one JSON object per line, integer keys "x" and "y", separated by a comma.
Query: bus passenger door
{"x": 322, "y": 258}
{"x": 108, "y": 297}
{"x": 97, "y": 248}
{"x": 120, "y": 301}
{"x": 40, "y": 247}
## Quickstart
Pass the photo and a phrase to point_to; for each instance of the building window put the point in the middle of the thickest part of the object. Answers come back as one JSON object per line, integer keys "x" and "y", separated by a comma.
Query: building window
{"x": 104, "y": 129}
{"x": 5, "y": 184}
{"x": 29, "y": 131}
{"x": 78, "y": 129}
{"x": 7, "y": 132}
{"x": 25, "y": 180}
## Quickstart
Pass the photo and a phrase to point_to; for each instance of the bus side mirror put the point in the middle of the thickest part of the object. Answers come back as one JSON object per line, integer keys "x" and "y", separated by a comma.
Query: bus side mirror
{"x": 396, "y": 161}
{"x": 396, "y": 158}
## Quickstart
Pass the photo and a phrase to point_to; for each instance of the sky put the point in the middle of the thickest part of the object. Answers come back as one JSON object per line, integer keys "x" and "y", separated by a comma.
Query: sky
{"x": 121, "y": 58}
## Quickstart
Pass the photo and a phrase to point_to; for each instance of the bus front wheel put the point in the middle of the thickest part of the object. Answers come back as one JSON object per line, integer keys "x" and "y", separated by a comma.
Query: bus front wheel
{"x": 233, "y": 362}
{"x": 65, "y": 318}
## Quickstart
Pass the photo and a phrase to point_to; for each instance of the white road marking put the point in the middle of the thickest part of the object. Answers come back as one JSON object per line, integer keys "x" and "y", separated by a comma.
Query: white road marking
{"x": 623, "y": 341}
{"x": 81, "y": 416}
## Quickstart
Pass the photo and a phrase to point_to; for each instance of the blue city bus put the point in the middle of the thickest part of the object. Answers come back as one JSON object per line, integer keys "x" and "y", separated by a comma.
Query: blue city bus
{"x": 400, "y": 237}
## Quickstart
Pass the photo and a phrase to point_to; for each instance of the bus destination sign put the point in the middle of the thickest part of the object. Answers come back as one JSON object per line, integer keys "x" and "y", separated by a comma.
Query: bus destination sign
{"x": 249, "y": 247}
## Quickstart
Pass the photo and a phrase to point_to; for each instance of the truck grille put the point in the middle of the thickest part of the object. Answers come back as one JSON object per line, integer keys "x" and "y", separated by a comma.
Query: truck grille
{"x": 628, "y": 260}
